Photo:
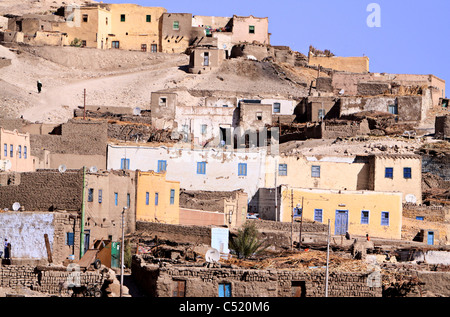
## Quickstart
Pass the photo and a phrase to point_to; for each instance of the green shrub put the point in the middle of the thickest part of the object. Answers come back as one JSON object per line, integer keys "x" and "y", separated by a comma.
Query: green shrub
{"x": 247, "y": 242}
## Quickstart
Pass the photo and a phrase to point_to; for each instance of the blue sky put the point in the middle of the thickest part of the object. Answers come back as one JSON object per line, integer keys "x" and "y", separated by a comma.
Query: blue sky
{"x": 414, "y": 37}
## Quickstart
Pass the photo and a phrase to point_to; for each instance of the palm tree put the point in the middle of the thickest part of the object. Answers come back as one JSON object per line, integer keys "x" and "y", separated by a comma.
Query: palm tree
{"x": 247, "y": 242}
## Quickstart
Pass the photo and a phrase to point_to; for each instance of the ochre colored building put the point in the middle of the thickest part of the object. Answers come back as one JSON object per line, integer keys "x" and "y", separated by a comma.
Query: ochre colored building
{"x": 157, "y": 199}
{"x": 119, "y": 26}
{"x": 378, "y": 214}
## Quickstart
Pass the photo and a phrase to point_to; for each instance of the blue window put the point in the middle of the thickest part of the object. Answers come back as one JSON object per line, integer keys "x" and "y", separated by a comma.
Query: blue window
{"x": 385, "y": 218}
{"x": 147, "y": 198}
{"x": 407, "y": 172}
{"x": 116, "y": 199}
{"x": 276, "y": 107}
{"x": 364, "y": 217}
{"x": 162, "y": 166}
{"x": 419, "y": 218}
{"x": 5, "y": 150}
{"x": 201, "y": 167}
{"x": 70, "y": 238}
{"x": 20, "y": 151}
{"x": 11, "y": 150}
{"x": 172, "y": 196}
{"x": 318, "y": 215}
{"x": 90, "y": 194}
{"x": 242, "y": 169}
{"x": 128, "y": 200}
{"x": 315, "y": 171}
{"x": 282, "y": 170}
{"x": 224, "y": 290}
{"x": 100, "y": 196}
{"x": 125, "y": 164}
{"x": 24, "y": 152}
{"x": 389, "y": 172}
{"x": 156, "y": 199}
{"x": 204, "y": 128}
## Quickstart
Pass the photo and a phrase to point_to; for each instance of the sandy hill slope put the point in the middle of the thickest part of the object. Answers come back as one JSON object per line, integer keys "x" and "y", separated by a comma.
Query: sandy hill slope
{"x": 119, "y": 78}
{"x": 19, "y": 7}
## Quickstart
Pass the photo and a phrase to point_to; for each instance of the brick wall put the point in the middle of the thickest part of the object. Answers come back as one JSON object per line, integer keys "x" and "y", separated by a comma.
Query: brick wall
{"x": 45, "y": 279}
{"x": 202, "y": 281}
{"x": 430, "y": 213}
{"x": 45, "y": 190}
{"x": 284, "y": 226}
{"x": 191, "y": 234}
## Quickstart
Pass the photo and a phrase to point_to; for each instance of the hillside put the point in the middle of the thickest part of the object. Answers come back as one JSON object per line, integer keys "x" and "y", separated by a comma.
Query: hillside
{"x": 120, "y": 78}
{"x": 20, "y": 7}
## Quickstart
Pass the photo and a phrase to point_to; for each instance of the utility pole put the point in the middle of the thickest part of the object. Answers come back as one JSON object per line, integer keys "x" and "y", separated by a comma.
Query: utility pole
{"x": 122, "y": 251}
{"x": 82, "y": 214}
{"x": 276, "y": 191}
{"x": 328, "y": 260}
{"x": 301, "y": 224}
{"x": 292, "y": 220}
{"x": 84, "y": 104}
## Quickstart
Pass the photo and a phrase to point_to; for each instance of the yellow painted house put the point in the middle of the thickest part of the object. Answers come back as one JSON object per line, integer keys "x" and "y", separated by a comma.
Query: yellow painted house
{"x": 378, "y": 214}
{"x": 118, "y": 26}
{"x": 157, "y": 199}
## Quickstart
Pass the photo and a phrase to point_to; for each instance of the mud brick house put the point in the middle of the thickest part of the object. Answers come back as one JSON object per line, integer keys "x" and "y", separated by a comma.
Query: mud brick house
{"x": 74, "y": 144}
{"x": 197, "y": 280}
{"x": 26, "y": 232}
{"x": 442, "y": 127}
{"x": 207, "y": 208}
{"x": 202, "y": 59}
{"x": 177, "y": 32}
{"x": 96, "y": 197}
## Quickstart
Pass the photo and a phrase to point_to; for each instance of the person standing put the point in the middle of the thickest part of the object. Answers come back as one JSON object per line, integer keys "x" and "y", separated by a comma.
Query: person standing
{"x": 7, "y": 249}
{"x": 39, "y": 86}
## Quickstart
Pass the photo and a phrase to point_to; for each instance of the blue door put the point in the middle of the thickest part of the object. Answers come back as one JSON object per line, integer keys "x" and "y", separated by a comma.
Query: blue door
{"x": 430, "y": 238}
{"x": 341, "y": 222}
{"x": 224, "y": 290}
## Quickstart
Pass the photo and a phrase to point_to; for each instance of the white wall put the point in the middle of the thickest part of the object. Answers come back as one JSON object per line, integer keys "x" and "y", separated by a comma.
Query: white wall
{"x": 286, "y": 106}
{"x": 25, "y": 231}
{"x": 221, "y": 167}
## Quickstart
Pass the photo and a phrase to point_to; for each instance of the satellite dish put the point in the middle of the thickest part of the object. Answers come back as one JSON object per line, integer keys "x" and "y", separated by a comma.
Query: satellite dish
{"x": 5, "y": 165}
{"x": 62, "y": 168}
{"x": 411, "y": 199}
{"x": 137, "y": 111}
{"x": 341, "y": 92}
{"x": 93, "y": 169}
{"x": 16, "y": 206}
{"x": 212, "y": 255}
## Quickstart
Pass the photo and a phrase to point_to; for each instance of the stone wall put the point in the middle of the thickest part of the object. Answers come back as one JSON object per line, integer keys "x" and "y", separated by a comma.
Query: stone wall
{"x": 46, "y": 279}
{"x": 188, "y": 234}
{"x": 442, "y": 127}
{"x": 201, "y": 281}
{"x": 430, "y": 213}
{"x": 284, "y": 226}
{"x": 346, "y": 64}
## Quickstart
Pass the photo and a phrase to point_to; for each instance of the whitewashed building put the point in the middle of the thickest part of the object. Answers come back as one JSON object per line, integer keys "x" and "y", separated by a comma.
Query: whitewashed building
{"x": 199, "y": 169}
